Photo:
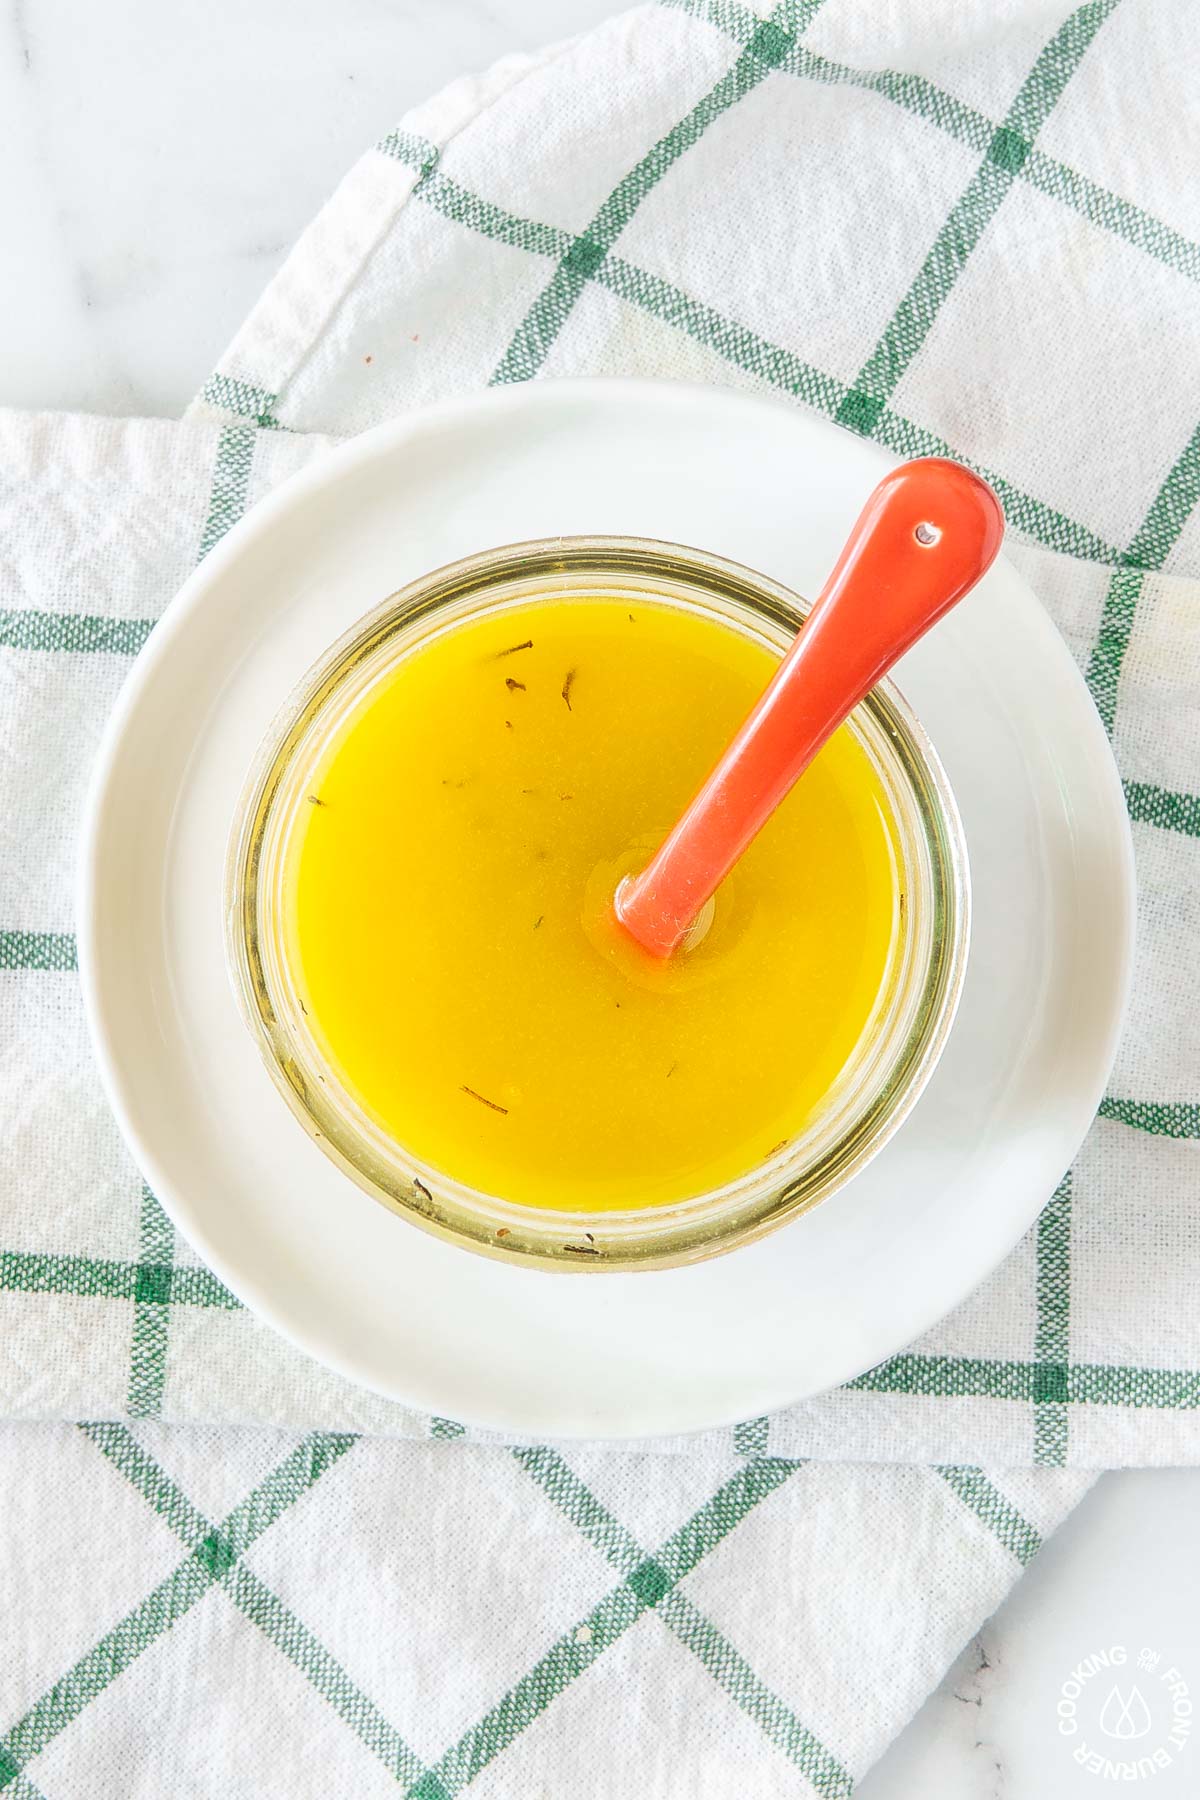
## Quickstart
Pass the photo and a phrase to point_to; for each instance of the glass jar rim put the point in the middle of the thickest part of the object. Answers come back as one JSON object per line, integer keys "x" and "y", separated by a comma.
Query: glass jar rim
{"x": 777, "y": 1189}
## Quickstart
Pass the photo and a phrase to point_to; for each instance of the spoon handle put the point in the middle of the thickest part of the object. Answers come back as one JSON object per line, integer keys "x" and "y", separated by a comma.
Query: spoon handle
{"x": 927, "y": 533}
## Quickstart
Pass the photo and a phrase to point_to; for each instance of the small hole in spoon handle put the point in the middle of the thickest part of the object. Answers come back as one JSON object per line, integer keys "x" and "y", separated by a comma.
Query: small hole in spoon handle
{"x": 927, "y": 534}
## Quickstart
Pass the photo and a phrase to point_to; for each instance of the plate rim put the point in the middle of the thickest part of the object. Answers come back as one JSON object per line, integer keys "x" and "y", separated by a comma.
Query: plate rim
{"x": 258, "y": 522}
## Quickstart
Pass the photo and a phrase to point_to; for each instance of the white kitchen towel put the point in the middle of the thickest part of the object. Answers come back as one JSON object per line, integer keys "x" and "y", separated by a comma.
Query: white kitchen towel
{"x": 951, "y": 232}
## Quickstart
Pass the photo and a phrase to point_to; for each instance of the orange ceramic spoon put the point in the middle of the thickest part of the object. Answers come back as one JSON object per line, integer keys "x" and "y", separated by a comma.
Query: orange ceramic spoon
{"x": 924, "y": 538}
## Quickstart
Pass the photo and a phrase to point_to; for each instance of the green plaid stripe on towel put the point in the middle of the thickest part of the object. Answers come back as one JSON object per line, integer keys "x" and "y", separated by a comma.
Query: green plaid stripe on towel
{"x": 238, "y": 1575}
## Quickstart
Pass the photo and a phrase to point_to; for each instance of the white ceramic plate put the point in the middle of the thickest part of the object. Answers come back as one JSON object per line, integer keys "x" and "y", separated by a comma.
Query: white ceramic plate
{"x": 614, "y": 1355}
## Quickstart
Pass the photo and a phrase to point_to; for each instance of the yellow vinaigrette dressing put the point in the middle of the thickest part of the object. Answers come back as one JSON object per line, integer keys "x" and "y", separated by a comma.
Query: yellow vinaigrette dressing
{"x": 448, "y": 918}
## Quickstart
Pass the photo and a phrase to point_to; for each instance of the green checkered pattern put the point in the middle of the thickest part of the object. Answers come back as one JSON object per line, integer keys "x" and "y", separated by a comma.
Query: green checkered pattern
{"x": 281, "y": 1557}
{"x": 660, "y": 198}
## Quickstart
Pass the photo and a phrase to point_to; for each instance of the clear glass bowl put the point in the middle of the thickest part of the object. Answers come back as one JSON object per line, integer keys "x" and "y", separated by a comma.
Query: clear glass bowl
{"x": 878, "y": 1086}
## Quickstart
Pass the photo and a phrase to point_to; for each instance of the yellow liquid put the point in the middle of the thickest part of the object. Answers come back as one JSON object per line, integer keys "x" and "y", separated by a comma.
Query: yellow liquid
{"x": 449, "y": 919}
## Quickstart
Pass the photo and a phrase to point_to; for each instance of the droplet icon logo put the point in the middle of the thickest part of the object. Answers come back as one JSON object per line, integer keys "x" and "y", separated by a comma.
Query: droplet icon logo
{"x": 1125, "y": 1716}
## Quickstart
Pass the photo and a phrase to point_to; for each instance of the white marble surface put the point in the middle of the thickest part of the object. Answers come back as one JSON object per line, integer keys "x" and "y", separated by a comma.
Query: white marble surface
{"x": 1124, "y": 1570}
{"x": 158, "y": 162}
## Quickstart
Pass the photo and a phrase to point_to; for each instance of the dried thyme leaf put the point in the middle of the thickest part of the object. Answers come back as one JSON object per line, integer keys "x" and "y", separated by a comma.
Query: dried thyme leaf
{"x": 483, "y": 1099}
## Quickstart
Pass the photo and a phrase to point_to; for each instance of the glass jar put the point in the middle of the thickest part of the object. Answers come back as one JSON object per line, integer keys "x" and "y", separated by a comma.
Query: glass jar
{"x": 879, "y": 1084}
